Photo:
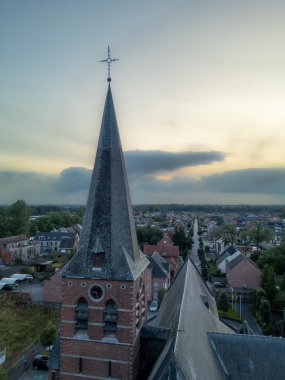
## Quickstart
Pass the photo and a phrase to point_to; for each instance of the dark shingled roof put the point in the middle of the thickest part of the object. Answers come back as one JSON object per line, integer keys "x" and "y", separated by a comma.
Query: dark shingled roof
{"x": 108, "y": 220}
{"x": 187, "y": 353}
{"x": 12, "y": 239}
{"x": 67, "y": 243}
{"x": 231, "y": 264}
{"x": 157, "y": 268}
{"x": 235, "y": 261}
{"x": 57, "y": 235}
{"x": 226, "y": 253}
{"x": 249, "y": 357}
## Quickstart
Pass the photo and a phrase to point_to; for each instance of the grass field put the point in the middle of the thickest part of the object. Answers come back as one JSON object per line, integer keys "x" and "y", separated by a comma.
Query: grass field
{"x": 230, "y": 314}
{"x": 21, "y": 324}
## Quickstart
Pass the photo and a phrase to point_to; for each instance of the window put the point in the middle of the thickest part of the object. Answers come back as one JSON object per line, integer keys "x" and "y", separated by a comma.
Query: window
{"x": 109, "y": 369}
{"x": 110, "y": 319}
{"x": 81, "y": 315}
{"x": 98, "y": 259}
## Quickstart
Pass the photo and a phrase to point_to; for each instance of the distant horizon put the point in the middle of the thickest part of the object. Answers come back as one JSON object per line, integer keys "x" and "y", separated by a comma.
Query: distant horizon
{"x": 154, "y": 204}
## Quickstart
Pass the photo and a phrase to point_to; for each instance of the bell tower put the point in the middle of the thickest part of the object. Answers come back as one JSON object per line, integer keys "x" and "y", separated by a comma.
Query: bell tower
{"x": 103, "y": 301}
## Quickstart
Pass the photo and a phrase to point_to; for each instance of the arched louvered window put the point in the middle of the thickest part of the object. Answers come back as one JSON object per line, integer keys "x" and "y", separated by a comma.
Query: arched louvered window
{"x": 81, "y": 315}
{"x": 110, "y": 319}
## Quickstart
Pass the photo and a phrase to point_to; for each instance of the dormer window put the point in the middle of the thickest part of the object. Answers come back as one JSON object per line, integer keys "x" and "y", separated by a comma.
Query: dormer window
{"x": 98, "y": 259}
{"x": 98, "y": 256}
{"x": 81, "y": 315}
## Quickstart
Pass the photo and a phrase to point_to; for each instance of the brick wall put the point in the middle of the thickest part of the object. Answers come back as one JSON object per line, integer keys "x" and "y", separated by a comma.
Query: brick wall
{"x": 93, "y": 355}
{"x": 52, "y": 289}
{"x": 244, "y": 274}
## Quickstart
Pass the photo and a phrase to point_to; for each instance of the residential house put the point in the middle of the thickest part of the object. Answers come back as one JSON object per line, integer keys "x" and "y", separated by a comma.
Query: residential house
{"x": 5, "y": 256}
{"x": 68, "y": 245}
{"x": 243, "y": 273}
{"x": 220, "y": 245}
{"x": 20, "y": 247}
{"x": 228, "y": 254}
{"x": 166, "y": 248}
{"x": 209, "y": 226}
{"x": 159, "y": 276}
{"x": 50, "y": 241}
{"x": 188, "y": 341}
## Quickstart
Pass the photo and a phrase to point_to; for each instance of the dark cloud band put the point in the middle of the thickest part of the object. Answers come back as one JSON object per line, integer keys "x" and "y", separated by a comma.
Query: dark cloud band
{"x": 71, "y": 187}
{"x": 153, "y": 161}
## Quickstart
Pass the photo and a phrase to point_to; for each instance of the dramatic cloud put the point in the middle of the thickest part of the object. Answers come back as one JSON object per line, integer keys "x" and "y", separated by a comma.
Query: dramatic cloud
{"x": 72, "y": 180}
{"x": 71, "y": 187}
{"x": 153, "y": 161}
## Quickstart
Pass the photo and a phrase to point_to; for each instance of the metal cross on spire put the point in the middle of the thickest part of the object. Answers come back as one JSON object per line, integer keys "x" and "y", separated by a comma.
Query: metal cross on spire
{"x": 109, "y": 60}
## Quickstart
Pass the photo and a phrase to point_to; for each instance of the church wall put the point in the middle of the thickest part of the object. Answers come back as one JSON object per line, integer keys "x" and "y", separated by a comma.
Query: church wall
{"x": 94, "y": 352}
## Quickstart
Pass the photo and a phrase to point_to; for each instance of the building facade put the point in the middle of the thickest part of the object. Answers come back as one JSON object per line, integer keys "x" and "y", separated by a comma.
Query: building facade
{"x": 20, "y": 248}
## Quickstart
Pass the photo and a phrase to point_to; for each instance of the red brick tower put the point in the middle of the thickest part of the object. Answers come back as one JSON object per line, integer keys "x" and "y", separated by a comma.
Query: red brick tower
{"x": 103, "y": 301}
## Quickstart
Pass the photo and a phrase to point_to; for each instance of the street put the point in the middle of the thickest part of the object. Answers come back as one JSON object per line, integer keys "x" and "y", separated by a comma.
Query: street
{"x": 194, "y": 255}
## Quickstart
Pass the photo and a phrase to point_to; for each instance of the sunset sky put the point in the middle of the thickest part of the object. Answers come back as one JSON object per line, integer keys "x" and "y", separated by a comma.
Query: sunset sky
{"x": 199, "y": 93}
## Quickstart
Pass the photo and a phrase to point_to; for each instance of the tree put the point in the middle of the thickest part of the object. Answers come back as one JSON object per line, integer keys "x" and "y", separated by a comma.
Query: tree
{"x": 3, "y": 374}
{"x": 265, "y": 310}
{"x": 54, "y": 220}
{"x": 4, "y": 223}
{"x": 228, "y": 232}
{"x": 279, "y": 301}
{"x": 150, "y": 235}
{"x": 258, "y": 295}
{"x": 48, "y": 335}
{"x": 259, "y": 234}
{"x": 222, "y": 303}
{"x": 274, "y": 257}
{"x": 268, "y": 282}
{"x": 19, "y": 215}
{"x": 282, "y": 284}
{"x": 179, "y": 238}
{"x": 245, "y": 236}
{"x": 160, "y": 295}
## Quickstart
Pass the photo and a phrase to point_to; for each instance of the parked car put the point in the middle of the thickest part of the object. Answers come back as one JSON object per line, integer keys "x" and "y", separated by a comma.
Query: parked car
{"x": 41, "y": 362}
{"x": 22, "y": 276}
{"x": 4, "y": 286}
{"x": 218, "y": 284}
{"x": 153, "y": 306}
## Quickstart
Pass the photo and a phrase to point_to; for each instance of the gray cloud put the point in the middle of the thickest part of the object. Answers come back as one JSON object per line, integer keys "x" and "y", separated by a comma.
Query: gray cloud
{"x": 71, "y": 187}
{"x": 263, "y": 181}
{"x": 153, "y": 161}
{"x": 73, "y": 180}
{"x": 263, "y": 186}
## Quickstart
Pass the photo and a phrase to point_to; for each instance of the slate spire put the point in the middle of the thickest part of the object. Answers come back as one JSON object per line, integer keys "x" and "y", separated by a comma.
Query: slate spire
{"x": 108, "y": 246}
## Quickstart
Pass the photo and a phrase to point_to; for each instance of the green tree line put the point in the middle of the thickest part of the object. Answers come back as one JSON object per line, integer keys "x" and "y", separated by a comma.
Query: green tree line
{"x": 15, "y": 220}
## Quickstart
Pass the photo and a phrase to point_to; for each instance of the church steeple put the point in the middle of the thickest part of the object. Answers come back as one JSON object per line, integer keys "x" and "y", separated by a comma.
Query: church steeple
{"x": 108, "y": 245}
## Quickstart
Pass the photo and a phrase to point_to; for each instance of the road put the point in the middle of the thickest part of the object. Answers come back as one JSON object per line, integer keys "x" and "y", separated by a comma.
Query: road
{"x": 246, "y": 315}
{"x": 194, "y": 255}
